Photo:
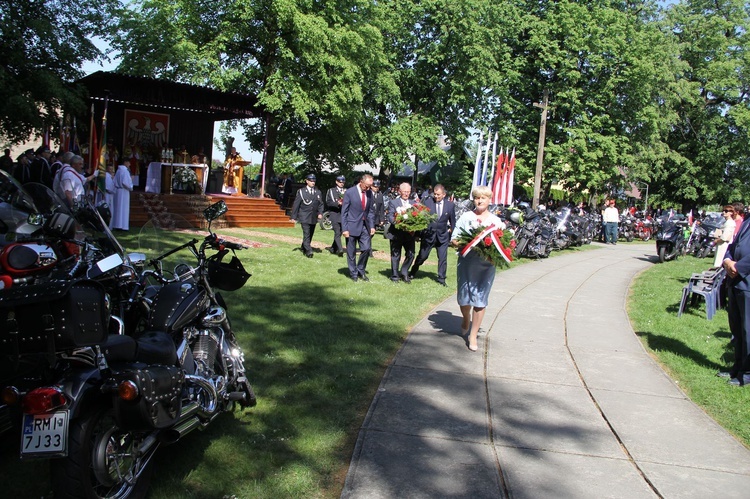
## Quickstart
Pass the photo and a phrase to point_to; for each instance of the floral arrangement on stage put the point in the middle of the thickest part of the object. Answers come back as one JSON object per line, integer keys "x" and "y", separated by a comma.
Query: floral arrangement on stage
{"x": 185, "y": 176}
{"x": 492, "y": 243}
{"x": 414, "y": 218}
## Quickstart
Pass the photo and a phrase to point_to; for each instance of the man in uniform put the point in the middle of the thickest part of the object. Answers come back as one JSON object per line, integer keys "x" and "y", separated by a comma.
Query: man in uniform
{"x": 378, "y": 204}
{"x": 307, "y": 210}
{"x": 438, "y": 233}
{"x": 334, "y": 200}
{"x": 40, "y": 169}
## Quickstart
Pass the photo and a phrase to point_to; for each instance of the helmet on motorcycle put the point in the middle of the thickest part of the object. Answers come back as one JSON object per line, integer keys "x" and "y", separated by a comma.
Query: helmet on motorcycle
{"x": 228, "y": 276}
{"x": 104, "y": 212}
{"x": 515, "y": 217}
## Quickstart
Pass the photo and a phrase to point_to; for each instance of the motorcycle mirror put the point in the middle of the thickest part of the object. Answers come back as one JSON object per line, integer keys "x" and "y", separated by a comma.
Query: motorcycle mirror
{"x": 111, "y": 262}
{"x": 215, "y": 211}
{"x": 35, "y": 219}
{"x": 137, "y": 259}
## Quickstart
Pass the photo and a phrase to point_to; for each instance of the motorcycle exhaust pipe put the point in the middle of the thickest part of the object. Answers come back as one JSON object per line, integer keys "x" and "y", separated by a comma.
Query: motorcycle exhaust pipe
{"x": 208, "y": 409}
{"x": 178, "y": 431}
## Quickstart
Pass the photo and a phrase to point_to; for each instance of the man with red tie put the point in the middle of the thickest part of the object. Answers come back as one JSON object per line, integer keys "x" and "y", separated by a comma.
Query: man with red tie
{"x": 358, "y": 225}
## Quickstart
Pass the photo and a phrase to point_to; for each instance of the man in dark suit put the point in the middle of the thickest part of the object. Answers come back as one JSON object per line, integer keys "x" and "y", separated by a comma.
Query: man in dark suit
{"x": 358, "y": 226}
{"x": 737, "y": 264}
{"x": 438, "y": 234}
{"x": 379, "y": 204}
{"x": 334, "y": 200}
{"x": 400, "y": 239}
{"x": 40, "y": 169}
{"x": 307, "y": 210}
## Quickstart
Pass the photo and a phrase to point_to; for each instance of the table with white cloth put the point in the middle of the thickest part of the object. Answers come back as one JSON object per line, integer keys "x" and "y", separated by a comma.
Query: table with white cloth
{"x": 159, "y": 176}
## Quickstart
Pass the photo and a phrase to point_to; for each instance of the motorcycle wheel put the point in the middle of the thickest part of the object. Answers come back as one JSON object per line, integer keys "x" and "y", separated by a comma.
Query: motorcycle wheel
{"x": 646, "y": 236}
{"x": 325, "y": 222}
{"x": 629, "y": 237}
{"x": 101, "y": 461}
{"x": 662, "y": 254}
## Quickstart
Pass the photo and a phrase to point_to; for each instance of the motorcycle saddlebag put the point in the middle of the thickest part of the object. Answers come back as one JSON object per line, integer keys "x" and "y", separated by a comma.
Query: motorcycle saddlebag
{"x": 159, "y": 402}
{"x": 53, "y": 317}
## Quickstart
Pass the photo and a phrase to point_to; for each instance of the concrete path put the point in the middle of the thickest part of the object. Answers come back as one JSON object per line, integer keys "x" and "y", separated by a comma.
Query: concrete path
{"x": 561, "y": 401}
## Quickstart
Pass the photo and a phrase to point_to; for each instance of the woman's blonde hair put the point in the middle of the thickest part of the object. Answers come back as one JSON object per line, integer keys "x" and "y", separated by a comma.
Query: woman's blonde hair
{"x": 481, "y": 191}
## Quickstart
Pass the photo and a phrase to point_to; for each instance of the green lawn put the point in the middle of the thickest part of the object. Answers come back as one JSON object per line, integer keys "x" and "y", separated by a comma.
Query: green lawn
{"x": 690, "y": 348}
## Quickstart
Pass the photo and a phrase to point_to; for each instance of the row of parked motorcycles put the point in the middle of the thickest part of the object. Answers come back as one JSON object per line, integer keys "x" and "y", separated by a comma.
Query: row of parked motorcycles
{"x": 538, "y": 233}
{"x": 105, "y": 356}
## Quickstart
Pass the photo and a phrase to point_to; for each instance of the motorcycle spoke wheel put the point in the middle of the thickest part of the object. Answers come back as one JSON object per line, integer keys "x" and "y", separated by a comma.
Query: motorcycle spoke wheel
{"x": 102, "y": 462}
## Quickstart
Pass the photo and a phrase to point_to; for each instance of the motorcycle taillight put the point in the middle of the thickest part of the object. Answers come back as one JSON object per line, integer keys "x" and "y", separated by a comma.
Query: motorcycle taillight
{"x": 43, "y": 400}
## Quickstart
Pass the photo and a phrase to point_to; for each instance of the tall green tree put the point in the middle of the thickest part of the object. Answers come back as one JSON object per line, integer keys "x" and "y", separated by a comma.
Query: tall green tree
{"x": 43, "y": 44}
{"x": 711, "y": 160}
{"x": 319, "y": 70}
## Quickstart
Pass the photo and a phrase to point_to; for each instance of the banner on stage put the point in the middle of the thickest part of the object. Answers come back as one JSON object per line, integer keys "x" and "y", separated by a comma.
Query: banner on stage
{"x": 150, "y": 130}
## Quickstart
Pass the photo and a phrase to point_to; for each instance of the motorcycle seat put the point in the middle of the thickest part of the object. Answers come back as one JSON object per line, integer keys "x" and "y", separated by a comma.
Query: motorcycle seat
{"x": 156, "y": 347}
{"x": 153, "y": 347}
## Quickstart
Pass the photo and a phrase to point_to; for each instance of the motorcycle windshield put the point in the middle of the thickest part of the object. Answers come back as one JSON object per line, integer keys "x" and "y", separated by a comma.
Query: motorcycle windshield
{"x": 162, "y": 234}
{"x": 22, "y": 209}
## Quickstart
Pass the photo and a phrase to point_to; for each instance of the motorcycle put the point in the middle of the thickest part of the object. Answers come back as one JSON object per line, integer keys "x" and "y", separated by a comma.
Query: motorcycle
{"x": 644, "y": 228}
{"x": 626, "y": 228}
{"x": 116, "y": 398}
{"x": 670, "y": 238}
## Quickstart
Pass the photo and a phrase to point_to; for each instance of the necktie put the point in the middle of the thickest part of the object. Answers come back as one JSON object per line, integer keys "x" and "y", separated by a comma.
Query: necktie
{"x": 440, "y": 209}
{"x": 363, "y": 200}
{"x": 309, "y": 191}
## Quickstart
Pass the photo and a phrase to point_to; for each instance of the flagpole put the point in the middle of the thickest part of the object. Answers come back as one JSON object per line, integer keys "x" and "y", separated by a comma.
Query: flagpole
{"x": 491, "y": 178}
{"x": 486, "y": 157}
{"x": 476, "y": 165}
{"x": 92, "y": 146}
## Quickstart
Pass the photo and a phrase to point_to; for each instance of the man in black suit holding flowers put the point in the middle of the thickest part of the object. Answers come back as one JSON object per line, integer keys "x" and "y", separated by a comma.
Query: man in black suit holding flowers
{"x": 438, "y": 234}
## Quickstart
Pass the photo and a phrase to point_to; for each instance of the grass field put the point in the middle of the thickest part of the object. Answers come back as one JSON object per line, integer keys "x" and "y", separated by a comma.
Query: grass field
{"x": 316, "y": 347}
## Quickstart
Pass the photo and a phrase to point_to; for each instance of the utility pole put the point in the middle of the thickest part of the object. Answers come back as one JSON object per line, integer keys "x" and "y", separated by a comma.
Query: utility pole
{"x": 540, "y": 148}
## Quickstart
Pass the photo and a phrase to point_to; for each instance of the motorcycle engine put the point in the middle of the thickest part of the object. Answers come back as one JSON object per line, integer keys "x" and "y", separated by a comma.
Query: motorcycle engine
{"x": 204, "y": 352}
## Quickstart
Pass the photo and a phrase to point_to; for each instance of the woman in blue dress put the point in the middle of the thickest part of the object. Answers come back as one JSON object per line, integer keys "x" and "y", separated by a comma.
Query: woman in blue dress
{"x": 475, "y": 274}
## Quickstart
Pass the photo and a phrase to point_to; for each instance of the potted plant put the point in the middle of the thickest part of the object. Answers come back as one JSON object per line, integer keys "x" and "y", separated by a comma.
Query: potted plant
{"x": 185, "y": 179}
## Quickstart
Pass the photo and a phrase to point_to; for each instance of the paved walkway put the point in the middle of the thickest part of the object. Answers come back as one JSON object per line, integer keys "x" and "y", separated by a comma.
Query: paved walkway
{"x": 561, "y": 401}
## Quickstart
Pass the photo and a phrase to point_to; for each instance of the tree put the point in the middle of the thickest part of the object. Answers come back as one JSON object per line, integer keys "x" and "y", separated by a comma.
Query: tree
{"x": 710, "y": 161}
{"x": 43, "y": 44}
{"x": 318, "y": 70}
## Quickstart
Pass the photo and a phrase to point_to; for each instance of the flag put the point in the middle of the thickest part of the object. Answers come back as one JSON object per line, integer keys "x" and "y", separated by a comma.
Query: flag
{"x": 491, "y": 176}
{"x": 45, "y": 137}
{"x": 497, "y": 178}
{"x": 690, "y": 218}
{"x": 74, "y": 146}
{"x": 509, "y": 175}
{"x": 94, "y": 145}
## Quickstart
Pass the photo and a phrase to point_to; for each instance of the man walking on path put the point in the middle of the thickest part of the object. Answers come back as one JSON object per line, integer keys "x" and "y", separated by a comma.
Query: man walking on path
{"x": 610, "y": 218}
{"x": 358, "y": 226}
{"x": 438, "y": 234}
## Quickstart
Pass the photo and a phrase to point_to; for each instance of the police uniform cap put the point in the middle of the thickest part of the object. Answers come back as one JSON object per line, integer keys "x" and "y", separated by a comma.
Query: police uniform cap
{"x": 341, "y": 178}
{"x": 376, "y": 183}
{"x": 310, "y": 177}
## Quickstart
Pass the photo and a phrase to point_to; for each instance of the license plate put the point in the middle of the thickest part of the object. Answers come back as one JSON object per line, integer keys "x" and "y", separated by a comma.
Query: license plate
{"x": 45, "y": 434}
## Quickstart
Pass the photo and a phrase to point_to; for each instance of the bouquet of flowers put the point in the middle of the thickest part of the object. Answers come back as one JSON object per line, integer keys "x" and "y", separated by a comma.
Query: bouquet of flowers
{"x": 186, "y": 176}
{"x": 414, "y": 218}
{"x": 491, "y": 243}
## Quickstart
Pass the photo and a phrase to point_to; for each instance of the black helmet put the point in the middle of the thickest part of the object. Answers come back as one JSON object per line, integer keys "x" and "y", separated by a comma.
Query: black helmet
{"x": 226, "y": 276}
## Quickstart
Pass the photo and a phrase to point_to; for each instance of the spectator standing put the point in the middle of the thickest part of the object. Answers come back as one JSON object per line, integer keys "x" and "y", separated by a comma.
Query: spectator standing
{"x": 739, "y": 217}
{"x": 334, "y": 200}
{"x": 438, "y": 233}
{"x": 610, "y": 218}
{"x": 737, "y": 264}
{"x": 307, "y": 210}
{"x": 475, "y": 274}
{"x": 40, "y": 169}
{"x": 21, "y": 170}
{"x": 6, "y": 162}
{"x": 378, "y": 203}
{"x": 401, "y": 241}
{"x": 123, "y": 187}
{"x": 725, "y": 235}
{"x": 72, "y": 181}
{"x": 358, "y": 226}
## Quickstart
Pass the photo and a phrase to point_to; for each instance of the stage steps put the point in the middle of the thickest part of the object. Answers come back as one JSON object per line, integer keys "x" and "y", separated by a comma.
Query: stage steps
{"x": 243, "y": 211}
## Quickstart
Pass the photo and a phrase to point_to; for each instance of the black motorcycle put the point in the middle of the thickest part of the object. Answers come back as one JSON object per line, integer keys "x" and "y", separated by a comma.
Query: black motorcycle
{"x": 670, "y": 237}
{"x": 115, "y": 397}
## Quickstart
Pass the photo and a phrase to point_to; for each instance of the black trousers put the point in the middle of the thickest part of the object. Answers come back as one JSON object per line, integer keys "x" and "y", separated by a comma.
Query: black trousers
{"x": 336, "y": 245}
{"x": 308, "y": 230}
{"x": 401, "y": 241}
{"x": 424, "y": 252}
{"x": 738, "y": 309}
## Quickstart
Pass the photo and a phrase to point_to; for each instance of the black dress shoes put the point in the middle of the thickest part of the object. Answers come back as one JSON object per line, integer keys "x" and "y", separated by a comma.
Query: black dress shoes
{"x": 308, "y": 255}
{"x": 407, "y": 279}
{"x": 354, "y": 278}
{"x": 364, "y": 278}
{"x": 442, "y": 283}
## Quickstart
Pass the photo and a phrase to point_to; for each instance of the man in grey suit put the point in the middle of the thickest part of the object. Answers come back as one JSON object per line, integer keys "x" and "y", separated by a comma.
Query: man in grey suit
{"x": 358, "y": 226}
{"x": 438, "y": 234}
{"x": 400, "y": 239}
